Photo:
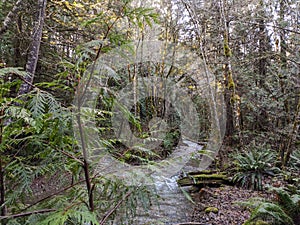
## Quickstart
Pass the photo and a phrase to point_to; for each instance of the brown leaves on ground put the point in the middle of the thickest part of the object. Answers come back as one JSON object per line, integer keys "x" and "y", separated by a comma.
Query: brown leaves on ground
{"x": 225, "y": 200}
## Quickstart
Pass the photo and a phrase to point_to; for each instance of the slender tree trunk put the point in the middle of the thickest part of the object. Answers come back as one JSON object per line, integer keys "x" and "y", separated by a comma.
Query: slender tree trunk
{"x": 9, "y": 18}
{"x": 262, "y": 62}
{"x": 283, "y": 60}
{"x": 291, "y": 136}
{"x": 18, "y": 60}
{"x": 2, "y": 193}
{"x": 2, "y": 181}
{"x": 85, "y": 160}
{"x": 34, "y": 48}
{"x": 286, "y": 120}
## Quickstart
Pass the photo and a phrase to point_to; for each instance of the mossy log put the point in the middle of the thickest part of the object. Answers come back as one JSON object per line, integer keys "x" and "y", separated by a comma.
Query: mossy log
{"x": 204, "y": 178}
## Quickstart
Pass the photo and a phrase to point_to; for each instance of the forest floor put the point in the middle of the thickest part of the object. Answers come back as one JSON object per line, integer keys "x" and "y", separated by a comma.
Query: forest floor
{"x": 219, "y": 206}
{"x": 212, "y": 205}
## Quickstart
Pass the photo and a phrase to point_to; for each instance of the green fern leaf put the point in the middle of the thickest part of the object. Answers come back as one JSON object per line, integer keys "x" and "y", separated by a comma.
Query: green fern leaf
{"x": 37, "y": 105}
{"x": 270, "y": 212}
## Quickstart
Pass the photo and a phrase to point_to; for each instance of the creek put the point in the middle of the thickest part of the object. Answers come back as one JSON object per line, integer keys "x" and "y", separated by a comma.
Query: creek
{"x": 172, "y": 206}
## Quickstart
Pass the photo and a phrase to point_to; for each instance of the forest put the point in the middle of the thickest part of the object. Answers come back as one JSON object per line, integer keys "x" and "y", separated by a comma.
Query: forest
{"x": 149, "y": 112}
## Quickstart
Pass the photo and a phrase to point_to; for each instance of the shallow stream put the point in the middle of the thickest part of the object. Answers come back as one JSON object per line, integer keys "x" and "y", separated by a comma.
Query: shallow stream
{"x": 172, "y": 207}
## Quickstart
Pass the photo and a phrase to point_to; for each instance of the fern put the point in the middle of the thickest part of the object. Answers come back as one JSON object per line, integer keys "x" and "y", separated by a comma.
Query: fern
{"x": 289, "y": 203}
{"x": 295, "y": 159}
{"x": 282, "y": 212}
{"x": 43, "y": 102}
{"x": 252, "y": 165}
{"x": 54, "y": 107}
{"x": 21, "y": 177}
{"x": 270, "y": 212}
{"x": 77, "y": 215}
{"x": 37, "y": 105}
{"x": 19, "y": 113}
{"x": 13, "y": 70}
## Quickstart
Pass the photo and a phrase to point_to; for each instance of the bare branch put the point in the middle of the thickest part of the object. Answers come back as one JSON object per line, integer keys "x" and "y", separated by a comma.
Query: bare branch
{"x": 111, "y": 211}
{"x": 27, "y": 214}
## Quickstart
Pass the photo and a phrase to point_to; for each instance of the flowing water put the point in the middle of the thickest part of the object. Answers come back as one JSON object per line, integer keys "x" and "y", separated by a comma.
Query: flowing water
{"x": 172, "y": 207}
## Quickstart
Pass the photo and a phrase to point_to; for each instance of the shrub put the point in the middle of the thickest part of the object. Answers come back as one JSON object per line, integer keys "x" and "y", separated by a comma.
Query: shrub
{"x": 252, "y": 165}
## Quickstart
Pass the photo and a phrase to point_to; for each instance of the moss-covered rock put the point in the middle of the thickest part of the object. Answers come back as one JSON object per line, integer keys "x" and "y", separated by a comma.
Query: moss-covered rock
{"x": 211, "y": 209}
{"x": 257, "y": 222}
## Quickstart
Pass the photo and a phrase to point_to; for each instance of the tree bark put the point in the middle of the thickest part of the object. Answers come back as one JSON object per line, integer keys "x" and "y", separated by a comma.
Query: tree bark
{"x": 2, "y": 193}
{"x": 2, "y": 184}
{"x": 283, "y": 58}
{"x": 262, "y": 61}
{"x": 291, "y": 137}
{"x": 34, "y": 48}
{"x": 230, "y": 95}
{"x": 9, "y": 18}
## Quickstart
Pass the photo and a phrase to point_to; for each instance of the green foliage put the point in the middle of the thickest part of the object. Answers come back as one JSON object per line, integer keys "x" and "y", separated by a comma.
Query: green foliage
{"x": 295, "y": 159}
{"x": 285, "y": 211}
{"x": 37, "y": 143}
{"x": 12, "y": 70}
{"x": 271, "y": 213}
{"x": 252, "y": 164}
{"x": 139, "y": 15}
{"x": 30, "y": 134}
{"x": 289, "y": 202}
{"x": 75, "y": 215}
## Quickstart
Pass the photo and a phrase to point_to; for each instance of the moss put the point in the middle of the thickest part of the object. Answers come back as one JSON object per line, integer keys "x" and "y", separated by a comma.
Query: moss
{"x": 210, "y": 176}
{"x": 235, "y": 98}
{"x": 227, "y": 50}
{"x": 225, "y": 166}
{"x": 211, "y": 209}
{"x": 204, "y": 179}
{"x": 261, "y": 222}
{"x": 206, "y": 172}
{"x": 258, "y": 222}
{"x": 231, "y": 84}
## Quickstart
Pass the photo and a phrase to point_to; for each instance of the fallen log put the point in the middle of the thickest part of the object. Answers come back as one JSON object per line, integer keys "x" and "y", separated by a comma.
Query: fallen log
{"x": 189, "y": 223}
{"x": 204, "y": 178}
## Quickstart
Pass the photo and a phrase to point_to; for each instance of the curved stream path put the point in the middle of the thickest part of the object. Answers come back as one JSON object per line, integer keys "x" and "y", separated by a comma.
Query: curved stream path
{"x": 172, "y": 207}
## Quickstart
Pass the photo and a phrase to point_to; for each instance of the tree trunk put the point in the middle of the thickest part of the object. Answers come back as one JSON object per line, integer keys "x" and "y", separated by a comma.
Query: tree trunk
{"x": 2, "y": 184}
{"x": 283, "y": 80}
{"x": 291, "y": 137}
{"x": 34, "y": 48}
{"x": 230, "y": 96}
{"x": 18, "y": 60}
{"x": 9, "y": 18}
{"x": 262, "y": 62}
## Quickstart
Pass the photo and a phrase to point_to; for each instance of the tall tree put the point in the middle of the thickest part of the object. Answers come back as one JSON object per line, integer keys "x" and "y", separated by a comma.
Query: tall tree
{"x": 231, "y": 98}
{"x": 34, "y": 49}
{"x": 10, "y": 16}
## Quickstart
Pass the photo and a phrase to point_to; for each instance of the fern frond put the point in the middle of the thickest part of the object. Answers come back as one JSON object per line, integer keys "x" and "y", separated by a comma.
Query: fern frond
{"x": 76, "y": 215}
{"x": 289, "y": 203}
{"x": 19, "y": 113}
{"x": 54, "y": 106}
{"x": 37, "y": 105}
{"x": 21, "y": 177}
{"x": 270, "y": 212}
{"x": 13, "y": 70}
